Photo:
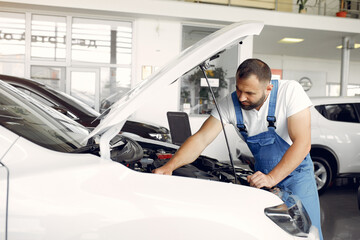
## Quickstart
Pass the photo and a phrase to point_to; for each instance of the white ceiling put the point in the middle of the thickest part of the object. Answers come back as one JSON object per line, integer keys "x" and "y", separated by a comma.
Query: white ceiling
{"x": 316, "y": 44}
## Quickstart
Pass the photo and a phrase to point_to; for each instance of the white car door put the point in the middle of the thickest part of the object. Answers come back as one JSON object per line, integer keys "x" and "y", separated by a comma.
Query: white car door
{"x": 7, "y": 139}
{"x": 3, "y": 200}
{"x": 341, "y": 132}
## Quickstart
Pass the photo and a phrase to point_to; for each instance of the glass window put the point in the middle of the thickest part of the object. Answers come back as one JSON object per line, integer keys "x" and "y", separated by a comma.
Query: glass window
{"x": 357, "y": 106}
{"x": 49, "y": 75}
{"x": 321, "y": 109}
{"x": 83, "y": 86}
{"x": 101, "y": 41}
{"x": 11, "y": 68}
{"x": 48, "y": 38}
{"x": 12, "y": 36}
{"x": 341, "y": 113}
{"x": 333, "y": 89}
{"x": 115, "y": 82}
{"x": 353, "y": 90}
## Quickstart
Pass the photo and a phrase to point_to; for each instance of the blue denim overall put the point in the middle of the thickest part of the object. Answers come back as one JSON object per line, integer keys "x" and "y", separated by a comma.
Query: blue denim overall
{"x": 268, "y": 149}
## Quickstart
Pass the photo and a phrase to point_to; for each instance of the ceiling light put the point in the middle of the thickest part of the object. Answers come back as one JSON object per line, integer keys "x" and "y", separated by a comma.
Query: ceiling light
{"x": 291, "y": 40}
{"x": 356, "y": 45}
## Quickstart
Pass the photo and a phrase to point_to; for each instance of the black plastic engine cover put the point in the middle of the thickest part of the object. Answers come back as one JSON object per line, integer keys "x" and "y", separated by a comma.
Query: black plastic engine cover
{"x": 191, "y": 171}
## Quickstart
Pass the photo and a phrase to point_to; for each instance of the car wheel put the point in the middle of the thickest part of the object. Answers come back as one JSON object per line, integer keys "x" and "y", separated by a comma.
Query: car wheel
{"x": 323, "y": 173}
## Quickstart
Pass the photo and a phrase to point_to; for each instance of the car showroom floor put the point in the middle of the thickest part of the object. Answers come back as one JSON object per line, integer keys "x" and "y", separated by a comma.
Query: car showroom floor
{"x": 340, "y": 213}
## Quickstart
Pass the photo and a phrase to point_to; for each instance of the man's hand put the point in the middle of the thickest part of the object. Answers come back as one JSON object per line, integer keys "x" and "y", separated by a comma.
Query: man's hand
{"x": 192, "y": 147}
{"x": 260, "y": 180}
{"x": 164, "y": 170}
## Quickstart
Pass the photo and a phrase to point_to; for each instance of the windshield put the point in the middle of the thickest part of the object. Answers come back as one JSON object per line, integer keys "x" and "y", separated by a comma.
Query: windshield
{"x": 38, "y": 123}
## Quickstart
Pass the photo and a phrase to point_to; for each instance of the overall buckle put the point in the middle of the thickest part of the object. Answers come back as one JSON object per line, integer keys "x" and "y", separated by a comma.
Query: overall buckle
{"x": 241, "y": 127}
{"x": 271, "y": 120}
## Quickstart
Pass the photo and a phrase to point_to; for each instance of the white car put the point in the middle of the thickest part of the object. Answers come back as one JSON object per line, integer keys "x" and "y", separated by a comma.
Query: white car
{"x": 335, "y": 138}
{"x": 58, "y": 181}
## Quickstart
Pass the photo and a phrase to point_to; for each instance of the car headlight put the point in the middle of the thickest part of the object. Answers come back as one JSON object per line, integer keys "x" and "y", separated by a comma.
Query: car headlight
{"x": 294, "y": 219}
{"x": 164, "y": 137}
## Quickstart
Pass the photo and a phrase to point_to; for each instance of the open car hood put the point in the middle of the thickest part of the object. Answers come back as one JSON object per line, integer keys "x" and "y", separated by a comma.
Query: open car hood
{"x": 184, "y": 62}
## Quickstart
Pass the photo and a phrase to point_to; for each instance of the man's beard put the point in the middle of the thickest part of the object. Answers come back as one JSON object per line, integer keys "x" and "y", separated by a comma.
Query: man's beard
{"x": 253, "y": 105}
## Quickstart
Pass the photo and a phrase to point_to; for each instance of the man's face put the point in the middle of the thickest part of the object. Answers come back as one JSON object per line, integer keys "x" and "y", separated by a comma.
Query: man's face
{"x": 252, "y": 93}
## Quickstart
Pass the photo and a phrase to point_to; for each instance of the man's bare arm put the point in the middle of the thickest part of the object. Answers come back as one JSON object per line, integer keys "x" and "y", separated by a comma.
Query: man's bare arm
{"x": 193, "y": 146}
{"x": 299, "y": 127}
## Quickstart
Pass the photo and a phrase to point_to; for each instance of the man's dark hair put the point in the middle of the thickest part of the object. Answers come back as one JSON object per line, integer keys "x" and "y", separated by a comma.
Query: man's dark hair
{"x": 254, "y": 66}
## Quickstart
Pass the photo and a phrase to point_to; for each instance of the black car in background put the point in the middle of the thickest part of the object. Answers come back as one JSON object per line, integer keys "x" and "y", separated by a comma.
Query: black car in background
{"x": 79, "y": 111}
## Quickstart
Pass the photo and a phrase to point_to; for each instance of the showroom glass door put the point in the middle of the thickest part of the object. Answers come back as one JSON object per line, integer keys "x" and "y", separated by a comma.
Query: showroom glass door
{"x": 84, "y": 84}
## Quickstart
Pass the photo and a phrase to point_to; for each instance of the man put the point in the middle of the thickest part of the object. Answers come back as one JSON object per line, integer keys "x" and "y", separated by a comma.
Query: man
{"x": 273, "y": 118}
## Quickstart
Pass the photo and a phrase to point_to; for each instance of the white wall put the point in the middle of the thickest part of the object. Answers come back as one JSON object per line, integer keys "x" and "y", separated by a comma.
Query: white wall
{"x": 317, "y": 78}
{"x": 330, "y": 67}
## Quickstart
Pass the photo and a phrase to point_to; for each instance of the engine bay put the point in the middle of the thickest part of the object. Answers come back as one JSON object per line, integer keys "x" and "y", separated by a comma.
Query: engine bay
{"x": 145, "y": 157}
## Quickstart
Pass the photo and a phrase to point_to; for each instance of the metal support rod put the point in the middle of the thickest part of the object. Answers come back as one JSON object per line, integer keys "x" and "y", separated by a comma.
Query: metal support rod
{"x": 345, "y": 60}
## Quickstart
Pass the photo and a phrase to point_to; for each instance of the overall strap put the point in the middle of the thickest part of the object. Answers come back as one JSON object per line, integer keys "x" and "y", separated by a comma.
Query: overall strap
{"x": 239, "y": 117}
{"x": 272, "y": 105}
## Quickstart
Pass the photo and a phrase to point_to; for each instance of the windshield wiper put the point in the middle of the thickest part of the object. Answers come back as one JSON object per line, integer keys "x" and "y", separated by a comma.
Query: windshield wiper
{"x": 90, "y": 148}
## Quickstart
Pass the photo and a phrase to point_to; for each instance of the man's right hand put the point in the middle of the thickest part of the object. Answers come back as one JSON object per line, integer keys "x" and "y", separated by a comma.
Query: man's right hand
{"x": 192, "y": 147}
{"x": 162, "y": 170}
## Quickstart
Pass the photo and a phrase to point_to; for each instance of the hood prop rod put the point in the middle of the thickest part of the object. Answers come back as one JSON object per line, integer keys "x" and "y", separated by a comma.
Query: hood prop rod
{"x": 204, "y": 66}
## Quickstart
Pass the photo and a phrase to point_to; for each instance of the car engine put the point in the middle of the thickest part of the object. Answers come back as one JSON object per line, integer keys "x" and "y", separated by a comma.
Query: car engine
{"x": 145, "y": 157}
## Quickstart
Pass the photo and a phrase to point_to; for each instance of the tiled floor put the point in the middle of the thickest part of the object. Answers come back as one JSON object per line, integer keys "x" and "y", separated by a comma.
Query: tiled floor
{"x": 340, "y": 213}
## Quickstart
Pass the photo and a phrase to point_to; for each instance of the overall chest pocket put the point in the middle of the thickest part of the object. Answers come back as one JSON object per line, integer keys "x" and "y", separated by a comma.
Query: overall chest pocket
{"x": 261, "y": 141}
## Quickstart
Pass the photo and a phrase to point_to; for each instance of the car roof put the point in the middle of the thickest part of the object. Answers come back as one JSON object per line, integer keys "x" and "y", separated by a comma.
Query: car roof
{"x": 334, "y": 100}
{"x": 21, "y": 80}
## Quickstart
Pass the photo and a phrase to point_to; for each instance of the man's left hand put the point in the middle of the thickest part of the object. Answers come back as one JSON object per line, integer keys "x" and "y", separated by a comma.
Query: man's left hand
{"x": 260, "y": 180}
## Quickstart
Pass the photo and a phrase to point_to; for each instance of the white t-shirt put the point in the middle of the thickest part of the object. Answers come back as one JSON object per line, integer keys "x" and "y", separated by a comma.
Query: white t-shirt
{"x": 291, "y": 99}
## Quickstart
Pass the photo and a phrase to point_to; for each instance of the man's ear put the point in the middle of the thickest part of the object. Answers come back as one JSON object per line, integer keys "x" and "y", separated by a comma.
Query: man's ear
{"x": 269, "y": 87}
